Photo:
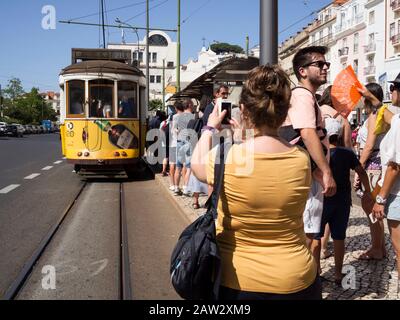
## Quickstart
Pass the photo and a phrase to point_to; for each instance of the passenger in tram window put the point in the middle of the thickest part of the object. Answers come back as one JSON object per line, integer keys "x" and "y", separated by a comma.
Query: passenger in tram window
{"x": 125, "y": 109}
{"x": 107, "y": 110}
{"x": 76, "y": 104}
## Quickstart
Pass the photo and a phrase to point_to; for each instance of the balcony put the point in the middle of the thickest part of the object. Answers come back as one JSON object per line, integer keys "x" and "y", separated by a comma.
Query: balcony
{"x": 395, "y": 40}
{"x": 370, "y": 71}
{"x": 347, "y": 25}
{"x": 370, "y": 48}
{"x": 344, "y": 52}
{"x": 395, "y": 4}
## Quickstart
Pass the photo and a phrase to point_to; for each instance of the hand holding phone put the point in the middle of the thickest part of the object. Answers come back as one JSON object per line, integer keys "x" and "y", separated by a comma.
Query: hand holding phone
{"x": 225, "y": 105}
{"x": 372, "y": 218}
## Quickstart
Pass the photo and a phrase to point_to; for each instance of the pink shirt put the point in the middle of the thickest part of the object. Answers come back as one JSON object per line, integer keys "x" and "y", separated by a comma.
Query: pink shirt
{"x": 301, "y": 113}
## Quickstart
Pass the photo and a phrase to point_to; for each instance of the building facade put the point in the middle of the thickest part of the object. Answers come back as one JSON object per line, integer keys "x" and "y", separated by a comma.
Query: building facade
{"x": 162, "y": 57}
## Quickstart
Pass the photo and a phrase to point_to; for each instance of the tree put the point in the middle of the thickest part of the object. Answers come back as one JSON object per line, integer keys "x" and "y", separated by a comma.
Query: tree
{"x": 223, "y": 47}
{"x": 155, "y": 104}
{"x": 14, "y": 89}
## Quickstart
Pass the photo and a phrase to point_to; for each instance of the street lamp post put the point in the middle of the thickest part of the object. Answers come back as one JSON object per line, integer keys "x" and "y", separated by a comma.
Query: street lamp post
{"x": 268, "y": 31}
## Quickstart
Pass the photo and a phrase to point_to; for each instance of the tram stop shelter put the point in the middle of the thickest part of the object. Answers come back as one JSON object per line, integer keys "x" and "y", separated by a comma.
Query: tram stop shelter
{"x": 231, "y": 72}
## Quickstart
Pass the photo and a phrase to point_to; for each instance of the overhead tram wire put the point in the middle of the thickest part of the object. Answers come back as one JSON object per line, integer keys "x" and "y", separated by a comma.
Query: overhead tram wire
{"x": 111, "y": 10}
{"x": 144, "y": 12}
{"x": 195, "y": 11}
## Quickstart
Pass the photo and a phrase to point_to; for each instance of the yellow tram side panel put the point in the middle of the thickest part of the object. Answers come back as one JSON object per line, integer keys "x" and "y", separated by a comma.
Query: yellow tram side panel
{"x": 62, "y": 135}
{"x": 100, "y": 139}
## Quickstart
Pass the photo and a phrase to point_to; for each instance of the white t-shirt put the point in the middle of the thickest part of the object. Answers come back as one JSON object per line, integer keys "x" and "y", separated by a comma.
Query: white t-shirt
{"x": 390, "y": 152}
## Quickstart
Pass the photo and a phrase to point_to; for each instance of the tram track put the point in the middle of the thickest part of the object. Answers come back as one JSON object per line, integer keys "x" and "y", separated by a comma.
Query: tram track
{"x": 123, "y": 285}
{"x": 23, "y": 275}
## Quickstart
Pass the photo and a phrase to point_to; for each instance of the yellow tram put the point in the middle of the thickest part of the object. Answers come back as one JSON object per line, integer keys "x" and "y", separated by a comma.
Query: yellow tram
{"x": 103, "y": 113}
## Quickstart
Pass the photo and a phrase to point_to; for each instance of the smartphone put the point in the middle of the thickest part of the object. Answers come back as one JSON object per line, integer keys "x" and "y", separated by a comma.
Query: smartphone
{"x": 226, "y": 105}
{"x": 372, "y": 218}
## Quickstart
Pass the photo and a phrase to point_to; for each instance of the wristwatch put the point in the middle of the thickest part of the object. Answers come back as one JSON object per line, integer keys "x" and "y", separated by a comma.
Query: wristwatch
{"x": 380, "y": 200}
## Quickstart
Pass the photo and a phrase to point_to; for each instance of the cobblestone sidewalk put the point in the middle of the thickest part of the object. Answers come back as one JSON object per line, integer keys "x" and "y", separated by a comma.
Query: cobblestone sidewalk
{"x": 365, "y": 280}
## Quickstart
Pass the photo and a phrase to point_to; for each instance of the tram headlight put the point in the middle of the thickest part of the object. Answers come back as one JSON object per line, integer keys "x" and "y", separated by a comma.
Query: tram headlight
{"x": 87, "y": 154}
{"x": 80, "y": 154}
{"x": 124, "y": 154}
{"x": 117, "y": 154}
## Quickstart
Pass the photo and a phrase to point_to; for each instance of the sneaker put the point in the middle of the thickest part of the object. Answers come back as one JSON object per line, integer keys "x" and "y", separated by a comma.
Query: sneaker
{"x": 177, "y": 192}
{"x": 171, "y": 188}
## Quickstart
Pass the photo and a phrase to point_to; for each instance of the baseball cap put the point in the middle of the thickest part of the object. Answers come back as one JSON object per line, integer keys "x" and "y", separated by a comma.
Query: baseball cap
{"x": 333, "y": 127}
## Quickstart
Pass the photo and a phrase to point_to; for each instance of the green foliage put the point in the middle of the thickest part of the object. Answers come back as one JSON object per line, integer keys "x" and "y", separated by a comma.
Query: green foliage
{"x": 14, "y": 89}
{"x": 223, "y": 47}
{"x": 155, "y": 105}
{"x": 25, "y": 108}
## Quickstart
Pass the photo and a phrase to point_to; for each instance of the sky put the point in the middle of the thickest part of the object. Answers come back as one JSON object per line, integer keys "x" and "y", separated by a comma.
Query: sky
{"x": 36, "y": 55}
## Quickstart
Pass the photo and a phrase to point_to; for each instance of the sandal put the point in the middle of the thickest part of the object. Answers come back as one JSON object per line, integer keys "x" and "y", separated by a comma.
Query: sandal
{"x": 366, "y": 256}
{"x": 326, "y": 254}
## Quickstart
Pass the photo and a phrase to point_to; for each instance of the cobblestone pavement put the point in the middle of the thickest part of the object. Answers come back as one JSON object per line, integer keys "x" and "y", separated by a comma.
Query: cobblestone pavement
{"x": 365, "y": 280}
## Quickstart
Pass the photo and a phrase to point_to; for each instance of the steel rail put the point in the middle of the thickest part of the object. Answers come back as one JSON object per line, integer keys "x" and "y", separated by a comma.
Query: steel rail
{"x": 20, "y": 280}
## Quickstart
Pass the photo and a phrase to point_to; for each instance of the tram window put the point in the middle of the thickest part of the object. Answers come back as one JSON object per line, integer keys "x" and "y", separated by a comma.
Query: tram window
{"x": 127, "y": 96}
{"x": 76, "y": 97}
{"x": 101, "y": 99}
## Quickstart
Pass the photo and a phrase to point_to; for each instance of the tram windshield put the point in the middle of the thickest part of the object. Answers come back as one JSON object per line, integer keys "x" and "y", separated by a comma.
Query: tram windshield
{"x": 101, "y": 97}
{"x": 76, "y": 98}
{"x": 127, "y": 96}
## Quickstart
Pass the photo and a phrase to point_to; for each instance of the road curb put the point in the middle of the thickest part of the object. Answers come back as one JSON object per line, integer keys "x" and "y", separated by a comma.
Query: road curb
{"x": 189, "y": 217}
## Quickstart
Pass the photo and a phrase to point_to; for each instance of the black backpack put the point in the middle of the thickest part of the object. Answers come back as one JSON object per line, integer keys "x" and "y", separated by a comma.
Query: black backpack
{"x": 289, "y": 134}
{"x": 196, "y": 125}
{"x": 196, "y": 263}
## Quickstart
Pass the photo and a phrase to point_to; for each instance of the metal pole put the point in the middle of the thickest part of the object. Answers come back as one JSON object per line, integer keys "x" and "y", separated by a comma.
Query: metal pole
{"x": 268, "y": 31}
{"x": 147, "y": 55}
{"x": 247, "y": 45}
{"x": 178, "y": 54}
{"x": 102, "y": 23}
{"x": 1, "y": 103}
{"x": 163, "y": 84}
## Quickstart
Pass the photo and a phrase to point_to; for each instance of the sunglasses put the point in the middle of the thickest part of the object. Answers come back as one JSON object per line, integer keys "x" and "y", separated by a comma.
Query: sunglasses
{"x": 318, "y": 64}
{"x": 394, "y": 87}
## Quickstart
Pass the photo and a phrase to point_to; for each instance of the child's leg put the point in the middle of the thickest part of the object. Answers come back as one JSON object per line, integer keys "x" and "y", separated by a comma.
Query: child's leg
{"x": 324, "y": 243}
{"x": 339, "y": 257}
{"x": 339, "y": 223}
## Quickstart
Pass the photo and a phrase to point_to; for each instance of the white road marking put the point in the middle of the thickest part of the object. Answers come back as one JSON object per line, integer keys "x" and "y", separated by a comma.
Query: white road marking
{"x": 47, "y": 168}
{"x": 9, "y": 188}
{"x": 58, "y": 162}
{"x": 32, "y": 176}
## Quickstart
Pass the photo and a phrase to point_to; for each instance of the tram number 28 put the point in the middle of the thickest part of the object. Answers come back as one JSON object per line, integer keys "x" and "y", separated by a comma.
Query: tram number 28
{"x": 70, "y": 134}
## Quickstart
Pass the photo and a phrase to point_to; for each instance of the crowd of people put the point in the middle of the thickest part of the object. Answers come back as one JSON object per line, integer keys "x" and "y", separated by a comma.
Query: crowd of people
{"x": 274, "y": 222}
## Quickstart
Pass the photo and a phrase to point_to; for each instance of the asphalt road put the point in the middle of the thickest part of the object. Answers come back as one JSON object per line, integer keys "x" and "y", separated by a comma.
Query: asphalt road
{"x": 30, "y": 207}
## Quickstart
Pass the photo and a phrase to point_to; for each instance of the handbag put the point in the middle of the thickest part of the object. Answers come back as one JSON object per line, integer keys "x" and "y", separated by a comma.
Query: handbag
{"x": 195, "y": 262}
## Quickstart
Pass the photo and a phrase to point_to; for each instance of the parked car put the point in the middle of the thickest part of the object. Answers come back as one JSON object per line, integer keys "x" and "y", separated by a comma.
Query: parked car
{"x": 15, "y": 131}
{"x": 28, "y": 129}
{"x": 20, "y": 127}
{"x": 3, "y": 128}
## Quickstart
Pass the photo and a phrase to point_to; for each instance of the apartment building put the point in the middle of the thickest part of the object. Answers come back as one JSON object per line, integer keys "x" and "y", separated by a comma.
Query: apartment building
{"x": 161, "y": 48}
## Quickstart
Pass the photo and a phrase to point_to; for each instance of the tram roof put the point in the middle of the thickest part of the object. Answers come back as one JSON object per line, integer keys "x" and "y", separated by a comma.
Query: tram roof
{"x": 231, "y": 70}
{"x": 102, "y": 66}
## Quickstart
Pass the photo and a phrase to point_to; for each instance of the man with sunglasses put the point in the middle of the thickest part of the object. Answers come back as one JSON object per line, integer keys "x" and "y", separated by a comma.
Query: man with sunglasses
{"x": 304, "y": 117}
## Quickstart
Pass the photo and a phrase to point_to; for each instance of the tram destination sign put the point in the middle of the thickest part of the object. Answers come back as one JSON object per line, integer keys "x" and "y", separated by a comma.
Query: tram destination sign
{"x": 101, "y": 54}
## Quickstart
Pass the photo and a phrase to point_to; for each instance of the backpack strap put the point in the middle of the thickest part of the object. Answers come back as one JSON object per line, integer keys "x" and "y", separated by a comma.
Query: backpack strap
{"x": 219, "y": 171}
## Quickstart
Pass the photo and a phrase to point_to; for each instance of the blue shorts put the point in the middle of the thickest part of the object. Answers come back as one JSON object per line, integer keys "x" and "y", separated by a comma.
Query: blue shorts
{"x": 392, "y": 209}
{"x": 183, "y": 154}
{"x": 336, "y": 214}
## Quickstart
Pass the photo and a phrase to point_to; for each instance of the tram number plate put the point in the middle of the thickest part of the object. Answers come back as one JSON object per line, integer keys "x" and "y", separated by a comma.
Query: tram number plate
{"x": 70, "y": 134}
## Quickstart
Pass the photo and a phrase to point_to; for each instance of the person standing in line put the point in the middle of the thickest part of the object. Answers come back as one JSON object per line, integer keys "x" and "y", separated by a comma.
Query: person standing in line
{"x": 332, "y": 117}
{"x": 183, "y": 146}
{"x": 221, "y": 92}
{"x": 304, "y": 116}
{"x": 370, "y": 159}
{"x": 336, "y": 210}
{"x": 264, "y": 255}
{"x": 387, "y": 202}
